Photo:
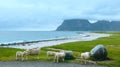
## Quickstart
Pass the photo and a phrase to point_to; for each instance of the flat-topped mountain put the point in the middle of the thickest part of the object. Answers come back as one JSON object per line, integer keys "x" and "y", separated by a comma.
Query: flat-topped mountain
{"x": 74, "y": 24}
{"x": 85, "y": 25}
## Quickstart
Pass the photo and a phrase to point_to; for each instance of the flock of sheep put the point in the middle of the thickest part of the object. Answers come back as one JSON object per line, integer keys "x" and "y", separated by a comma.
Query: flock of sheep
{"x": 57, "y": 55}
{"x": 24, "y": 54}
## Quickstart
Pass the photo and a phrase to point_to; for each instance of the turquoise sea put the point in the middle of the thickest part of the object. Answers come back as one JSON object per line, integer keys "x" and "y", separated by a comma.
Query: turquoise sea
{"x": 21, "y": 36}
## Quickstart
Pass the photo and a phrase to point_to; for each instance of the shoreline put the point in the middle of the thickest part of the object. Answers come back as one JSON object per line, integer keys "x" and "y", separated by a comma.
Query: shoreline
{"x": 45, "y": 43}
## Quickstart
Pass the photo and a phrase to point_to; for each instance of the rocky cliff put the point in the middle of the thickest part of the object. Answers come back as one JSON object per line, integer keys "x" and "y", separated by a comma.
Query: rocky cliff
{"x": 85, "y": 25}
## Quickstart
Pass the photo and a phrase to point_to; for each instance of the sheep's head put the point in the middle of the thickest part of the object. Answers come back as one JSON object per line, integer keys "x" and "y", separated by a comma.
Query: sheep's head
{"x": 62, "y": 51}
{"x": 89, "y": 54}
{"x": 25, "y": 52}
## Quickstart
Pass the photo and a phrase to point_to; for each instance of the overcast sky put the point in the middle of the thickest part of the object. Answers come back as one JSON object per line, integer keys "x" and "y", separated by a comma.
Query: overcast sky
{"x": 40, "y": 15}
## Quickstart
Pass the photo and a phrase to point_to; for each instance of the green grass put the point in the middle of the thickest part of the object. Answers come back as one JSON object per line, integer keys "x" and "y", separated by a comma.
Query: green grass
{"x": 7, "y": 54}
{"x": 112, "y": 44}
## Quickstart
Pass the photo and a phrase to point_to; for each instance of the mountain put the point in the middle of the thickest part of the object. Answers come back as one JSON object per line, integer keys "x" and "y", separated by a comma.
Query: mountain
{"x": 101, "y": 25}
{"x": 85, "y": 25}
{"x": 74, "y": 24}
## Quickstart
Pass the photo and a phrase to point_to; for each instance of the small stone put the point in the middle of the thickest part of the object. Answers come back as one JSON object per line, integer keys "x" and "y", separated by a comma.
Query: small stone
{"x": 69, "y": 55}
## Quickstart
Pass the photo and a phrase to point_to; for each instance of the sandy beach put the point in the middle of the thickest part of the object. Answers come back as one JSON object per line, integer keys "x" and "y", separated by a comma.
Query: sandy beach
{"x": 44, "y": 43}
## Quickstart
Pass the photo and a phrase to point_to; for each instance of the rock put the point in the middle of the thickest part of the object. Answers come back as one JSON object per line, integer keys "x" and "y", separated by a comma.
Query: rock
{"x": 69, "y": 55}
{"x": 99, "y": 52}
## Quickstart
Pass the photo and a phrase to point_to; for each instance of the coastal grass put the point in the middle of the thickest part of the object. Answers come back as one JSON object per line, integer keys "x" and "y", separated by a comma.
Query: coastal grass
{"x": 7, "y": 54}
{"x": 111, "y": 43}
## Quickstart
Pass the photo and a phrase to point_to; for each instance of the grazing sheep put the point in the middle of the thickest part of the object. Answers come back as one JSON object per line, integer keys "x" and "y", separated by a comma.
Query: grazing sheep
{"x": 85, "y": 56}
{"x": 20, "y": 54}
{"x": 35, "y": 51}
{"x": 51, "y": 53}
{"x": 59, "y": 55}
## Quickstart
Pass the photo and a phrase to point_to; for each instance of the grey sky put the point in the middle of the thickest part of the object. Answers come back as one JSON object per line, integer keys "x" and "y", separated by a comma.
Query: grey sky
{"x": 48, "y": 14}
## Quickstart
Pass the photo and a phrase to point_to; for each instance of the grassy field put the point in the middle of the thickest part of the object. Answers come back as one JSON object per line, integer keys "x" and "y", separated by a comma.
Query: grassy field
{"x": 7, "y": 54}
{"x": 112, "y": 44}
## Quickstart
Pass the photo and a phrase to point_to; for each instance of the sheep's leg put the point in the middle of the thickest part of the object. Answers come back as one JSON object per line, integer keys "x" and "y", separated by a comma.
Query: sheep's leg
{"x": 63, "y": 59}
{"x": 26, "y": 57}
{"x": 85, "y": 61}
{"x": 47, "y": 56}
{"x": 54, "y": 58}
{"x": 57, "y": 59}
{"x": 81, "y": 61}
{"x": 22, "y": 58}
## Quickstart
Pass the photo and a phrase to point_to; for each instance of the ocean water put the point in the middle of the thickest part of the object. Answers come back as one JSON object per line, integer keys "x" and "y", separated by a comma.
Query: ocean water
{"x": 22, "y": 36}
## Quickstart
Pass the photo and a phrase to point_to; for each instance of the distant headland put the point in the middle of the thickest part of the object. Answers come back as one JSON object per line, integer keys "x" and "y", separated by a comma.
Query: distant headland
{"x": 85, "y": 25}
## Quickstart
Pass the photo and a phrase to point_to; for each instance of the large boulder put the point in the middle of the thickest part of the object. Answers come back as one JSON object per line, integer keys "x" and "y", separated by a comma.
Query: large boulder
{"x": 99, "y": 52}
{"x": 69, "y": 55}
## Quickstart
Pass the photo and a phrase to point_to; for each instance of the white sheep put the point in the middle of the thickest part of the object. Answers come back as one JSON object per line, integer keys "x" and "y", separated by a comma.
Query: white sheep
{"x": 60, "y": 55}
{"x": 20, "y": 54}
{"x": 85, "y": 56}
{"x": 51, "y": 53}
{"x": 35, "y": 51}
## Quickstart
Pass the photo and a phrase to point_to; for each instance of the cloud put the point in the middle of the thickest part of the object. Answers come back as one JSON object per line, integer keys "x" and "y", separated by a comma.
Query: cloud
{"x": 49, "y": 14}
{"x": 107, "y": 9}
